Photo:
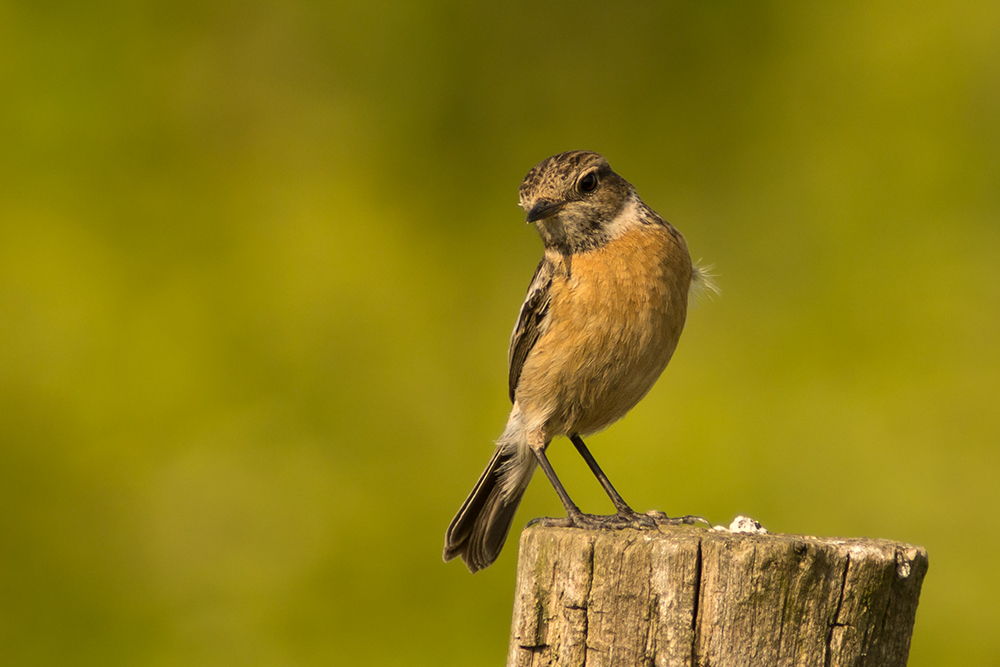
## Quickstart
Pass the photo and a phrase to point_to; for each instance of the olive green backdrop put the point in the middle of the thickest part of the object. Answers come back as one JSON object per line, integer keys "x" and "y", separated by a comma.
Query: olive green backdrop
{"x": 259, "y": 264}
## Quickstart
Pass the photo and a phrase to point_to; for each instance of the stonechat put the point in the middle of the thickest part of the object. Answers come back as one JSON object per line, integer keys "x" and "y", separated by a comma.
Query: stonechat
{"x": 601, "y": 319}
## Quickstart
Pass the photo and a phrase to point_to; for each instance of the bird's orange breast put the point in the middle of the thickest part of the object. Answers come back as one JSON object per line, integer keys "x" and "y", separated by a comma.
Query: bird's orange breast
{"x": 615, "y": 316}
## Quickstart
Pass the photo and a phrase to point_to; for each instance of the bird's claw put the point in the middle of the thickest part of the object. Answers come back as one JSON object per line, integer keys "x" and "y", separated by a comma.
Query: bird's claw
{"x": 623, "y": 519}
{"x": 686, "y": 520}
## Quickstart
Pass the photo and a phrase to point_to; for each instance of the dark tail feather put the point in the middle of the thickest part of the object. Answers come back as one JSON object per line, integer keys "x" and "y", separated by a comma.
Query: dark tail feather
{"x": 479, "y": 530}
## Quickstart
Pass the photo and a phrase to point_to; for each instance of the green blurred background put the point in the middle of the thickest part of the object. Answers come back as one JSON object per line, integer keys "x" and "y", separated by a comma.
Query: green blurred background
{"x": 259, "y": 264}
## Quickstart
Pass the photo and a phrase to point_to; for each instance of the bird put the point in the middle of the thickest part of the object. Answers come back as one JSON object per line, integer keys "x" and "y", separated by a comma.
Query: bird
{"x": 600, "y": 321}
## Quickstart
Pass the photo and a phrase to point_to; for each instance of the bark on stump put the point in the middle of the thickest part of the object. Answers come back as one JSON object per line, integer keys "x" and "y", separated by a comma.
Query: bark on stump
{"x": 691, "y": 596}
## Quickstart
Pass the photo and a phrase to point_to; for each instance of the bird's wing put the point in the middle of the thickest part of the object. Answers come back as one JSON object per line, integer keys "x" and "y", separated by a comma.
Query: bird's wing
{"x": 530, "y": 323}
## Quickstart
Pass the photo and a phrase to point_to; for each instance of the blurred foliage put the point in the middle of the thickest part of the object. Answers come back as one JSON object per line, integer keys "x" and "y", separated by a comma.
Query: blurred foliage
{"x": 259, "y": 265}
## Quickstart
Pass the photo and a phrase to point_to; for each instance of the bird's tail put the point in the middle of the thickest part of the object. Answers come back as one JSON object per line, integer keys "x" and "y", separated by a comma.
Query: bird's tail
{"x": 479, "y": 530}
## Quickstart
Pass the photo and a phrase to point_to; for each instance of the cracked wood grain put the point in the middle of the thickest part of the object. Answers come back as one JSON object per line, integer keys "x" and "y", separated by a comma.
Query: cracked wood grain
{"x": 687, "y": 596}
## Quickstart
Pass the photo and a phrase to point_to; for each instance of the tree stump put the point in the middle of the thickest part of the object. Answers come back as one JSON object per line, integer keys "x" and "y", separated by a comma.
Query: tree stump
{"x": 685, "y": 595}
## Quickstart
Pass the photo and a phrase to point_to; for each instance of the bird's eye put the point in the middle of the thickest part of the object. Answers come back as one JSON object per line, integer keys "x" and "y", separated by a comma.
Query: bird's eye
{"x": 588, "y": 183}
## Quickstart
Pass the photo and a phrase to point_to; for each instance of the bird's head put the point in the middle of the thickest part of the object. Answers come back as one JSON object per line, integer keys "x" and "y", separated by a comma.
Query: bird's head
{"x": 572, "y": 199}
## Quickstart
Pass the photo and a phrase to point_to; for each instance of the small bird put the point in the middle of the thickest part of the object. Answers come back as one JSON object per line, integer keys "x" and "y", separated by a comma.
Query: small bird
{"x": 601, "y": 319}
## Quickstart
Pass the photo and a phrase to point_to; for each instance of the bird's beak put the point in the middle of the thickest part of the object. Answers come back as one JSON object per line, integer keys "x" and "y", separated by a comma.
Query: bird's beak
{"x": 542, "y": 209}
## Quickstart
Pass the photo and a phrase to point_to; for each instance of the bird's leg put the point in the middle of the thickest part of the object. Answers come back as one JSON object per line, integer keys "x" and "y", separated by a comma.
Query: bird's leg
{"x": 619, "y": 503}
{"x": 625, "y": 513}
{"x": 575, "y": 517}
{"x": 543, "y": 461}
{"x": 626, "y": 516}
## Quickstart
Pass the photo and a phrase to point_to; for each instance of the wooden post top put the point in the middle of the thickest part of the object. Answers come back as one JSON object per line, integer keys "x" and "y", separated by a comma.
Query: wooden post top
{"x": 686, "y": 595}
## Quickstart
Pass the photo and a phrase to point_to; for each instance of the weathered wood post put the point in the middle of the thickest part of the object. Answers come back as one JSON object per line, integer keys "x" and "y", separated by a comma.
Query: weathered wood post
{"x": 685, "y": 595}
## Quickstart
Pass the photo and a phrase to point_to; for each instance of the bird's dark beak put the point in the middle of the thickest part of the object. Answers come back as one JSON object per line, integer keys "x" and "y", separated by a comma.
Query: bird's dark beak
{"x": 542, "y": 209}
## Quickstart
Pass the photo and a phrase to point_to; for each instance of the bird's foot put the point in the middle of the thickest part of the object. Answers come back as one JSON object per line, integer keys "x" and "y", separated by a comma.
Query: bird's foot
{"x": 623, "y": 519}
{"x": 687, "y": 520}
{"x": 593, "y": 521}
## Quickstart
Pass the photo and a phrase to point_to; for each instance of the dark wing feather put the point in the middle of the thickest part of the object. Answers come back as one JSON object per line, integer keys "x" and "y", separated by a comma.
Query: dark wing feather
{"x": 530, "y": 323}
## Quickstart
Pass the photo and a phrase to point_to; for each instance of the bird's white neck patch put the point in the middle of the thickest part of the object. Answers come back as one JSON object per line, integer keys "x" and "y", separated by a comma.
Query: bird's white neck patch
{"x": 628, "y": 218}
